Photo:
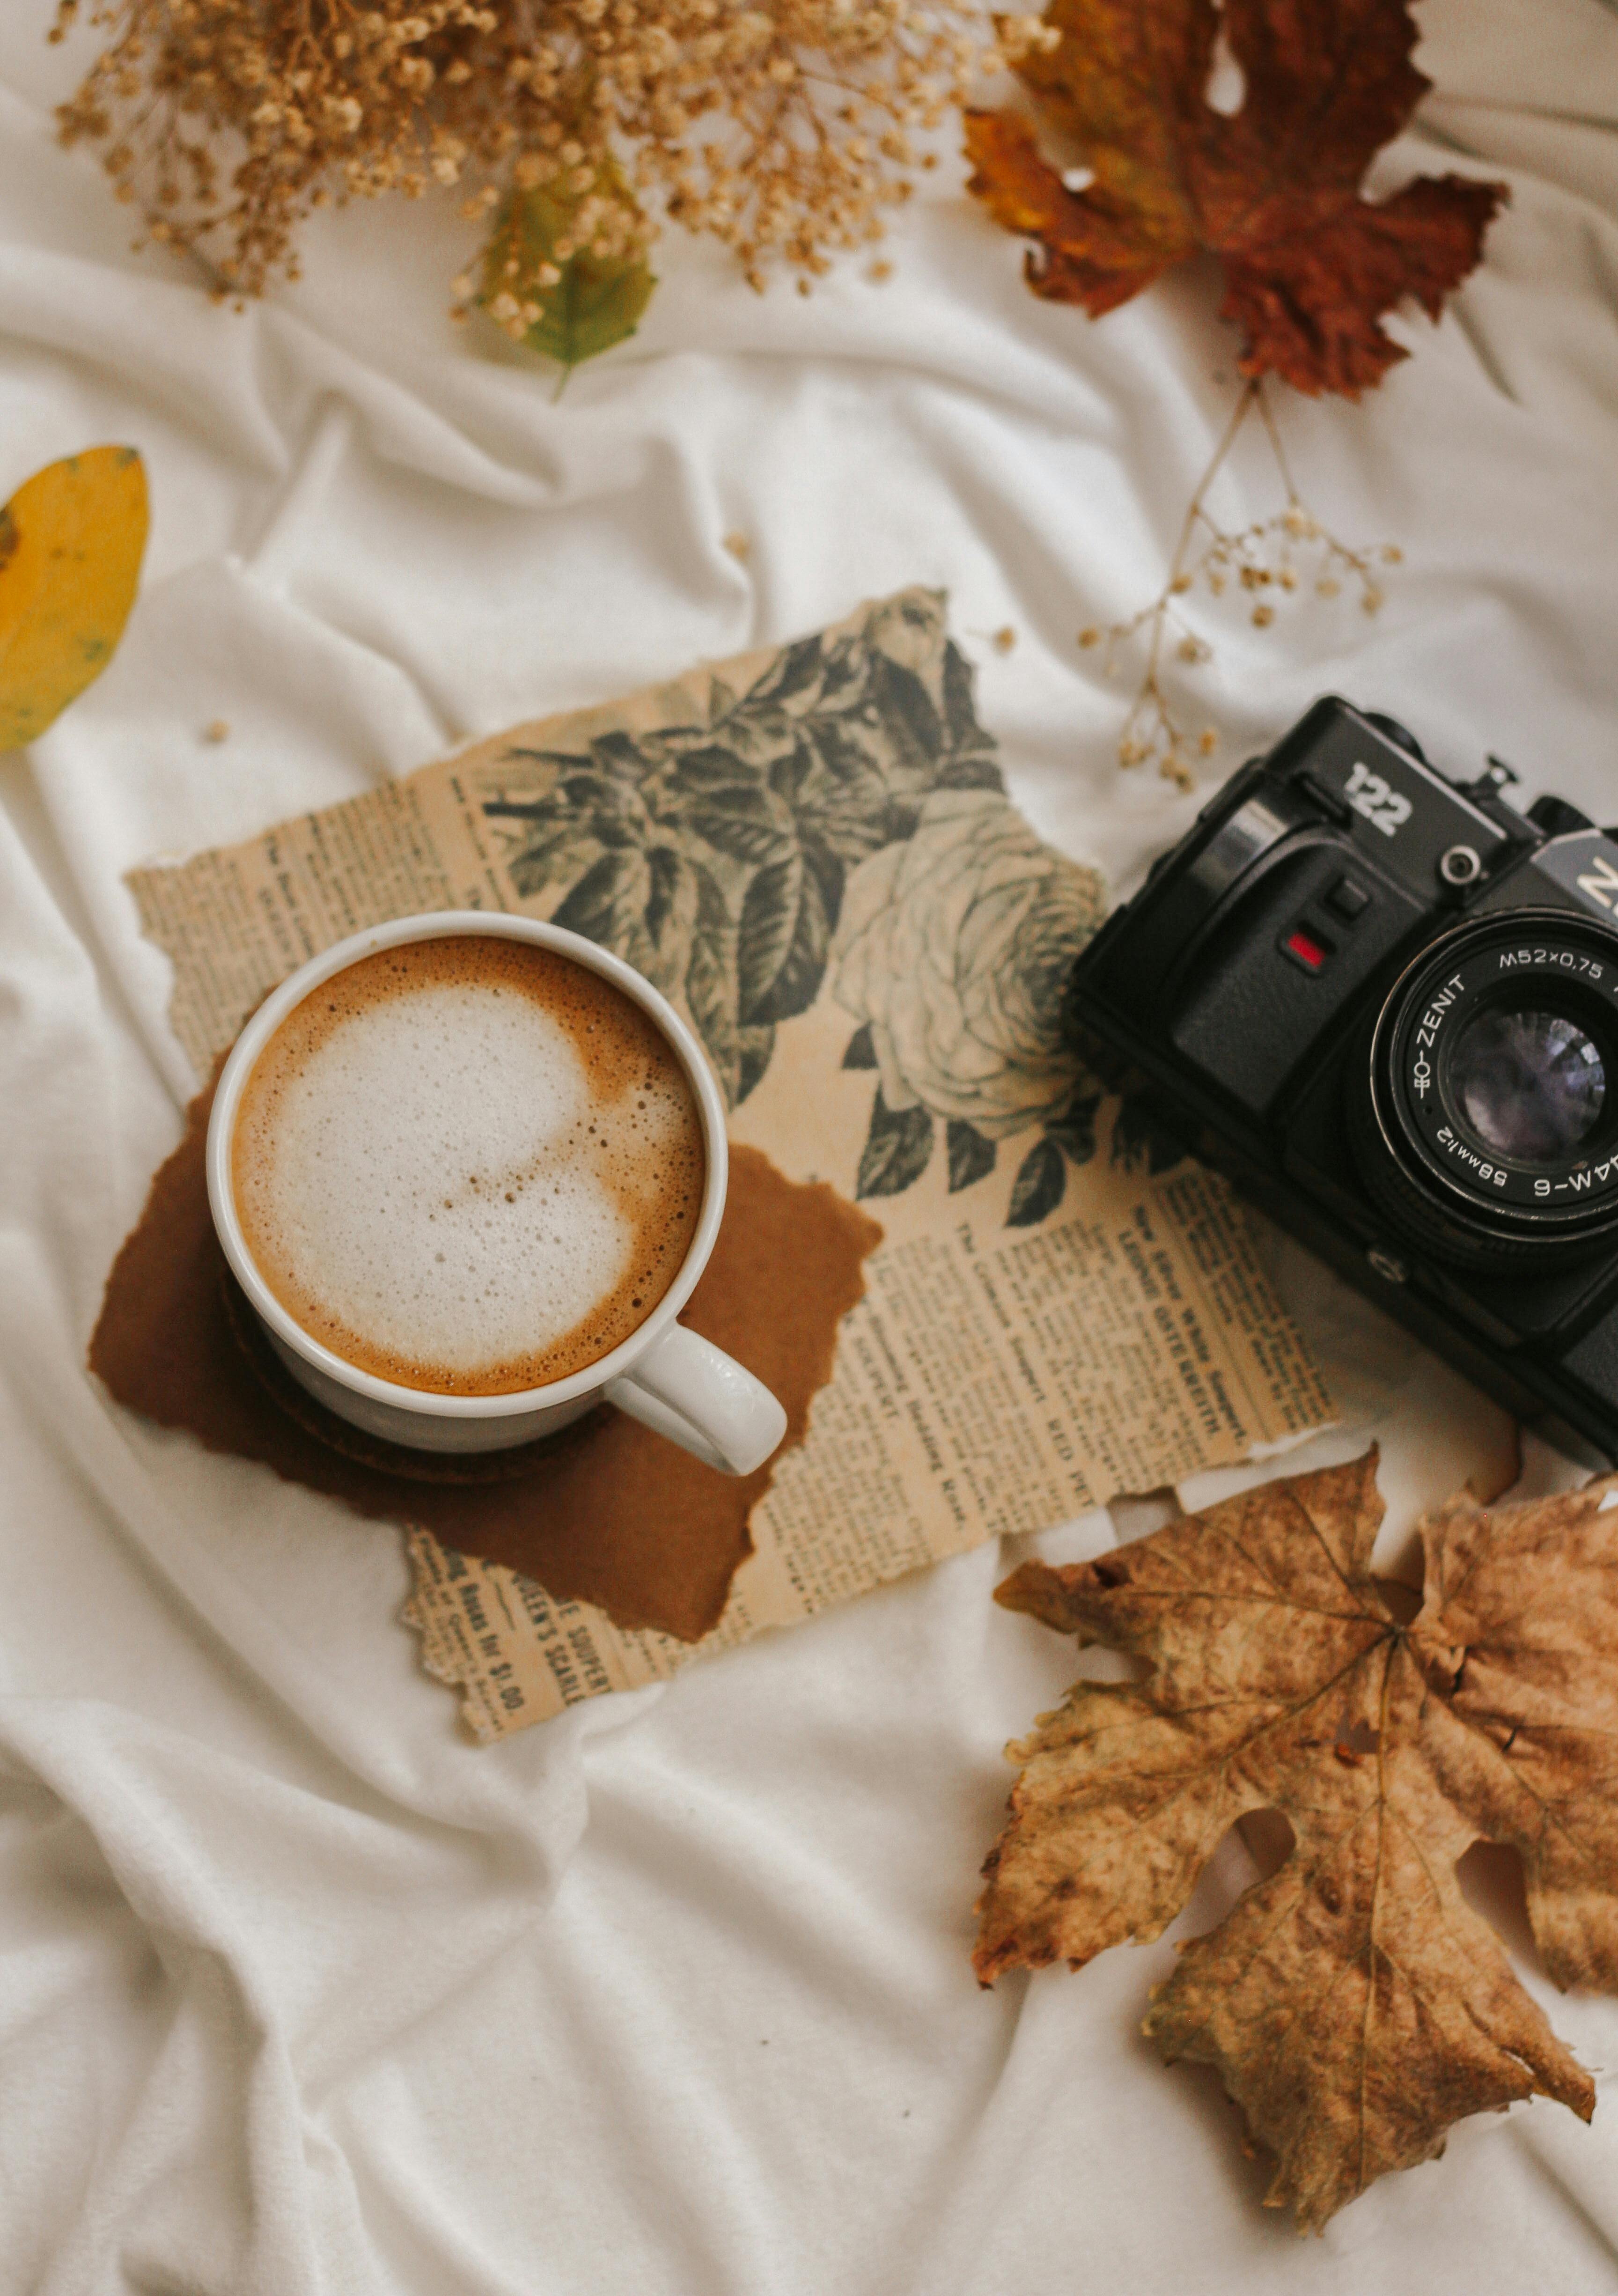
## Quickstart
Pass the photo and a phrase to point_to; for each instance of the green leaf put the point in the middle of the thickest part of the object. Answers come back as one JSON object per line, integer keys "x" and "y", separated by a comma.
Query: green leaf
{"x": 896, "y": 1149}
{"x": 1039, "y": 1186}
{"x": 592, "y": 301}
{"x": 596, "y": 306}
{"x": 970, "y": 1156}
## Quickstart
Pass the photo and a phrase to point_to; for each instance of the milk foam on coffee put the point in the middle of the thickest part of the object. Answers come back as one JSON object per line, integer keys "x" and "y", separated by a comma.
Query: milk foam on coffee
{"x": 468, "y": 1165}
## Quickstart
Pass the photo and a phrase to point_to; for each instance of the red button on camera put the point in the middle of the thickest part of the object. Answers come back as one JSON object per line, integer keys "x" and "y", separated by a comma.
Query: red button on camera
{"x": 1309, "y": 953}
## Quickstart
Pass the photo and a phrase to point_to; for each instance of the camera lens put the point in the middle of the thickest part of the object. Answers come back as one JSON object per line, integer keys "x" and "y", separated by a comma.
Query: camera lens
{"x": 1532, "y": 1085}
{"x": 1481, "y": 1122}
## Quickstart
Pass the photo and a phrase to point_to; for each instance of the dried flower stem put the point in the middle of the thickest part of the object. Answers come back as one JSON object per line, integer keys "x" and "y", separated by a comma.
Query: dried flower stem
{"x": 1261, "y": 557}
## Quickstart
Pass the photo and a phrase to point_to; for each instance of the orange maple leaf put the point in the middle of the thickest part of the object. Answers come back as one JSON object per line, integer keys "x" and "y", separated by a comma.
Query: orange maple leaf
{"x": 1272, "y": 189}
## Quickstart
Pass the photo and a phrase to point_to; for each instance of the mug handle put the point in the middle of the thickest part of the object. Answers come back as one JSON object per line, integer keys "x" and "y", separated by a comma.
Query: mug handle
{"x": 693, "y": 1392}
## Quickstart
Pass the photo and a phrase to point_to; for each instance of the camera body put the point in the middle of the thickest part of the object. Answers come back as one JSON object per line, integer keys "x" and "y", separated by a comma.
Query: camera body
{"x": 1386, "y": 1005}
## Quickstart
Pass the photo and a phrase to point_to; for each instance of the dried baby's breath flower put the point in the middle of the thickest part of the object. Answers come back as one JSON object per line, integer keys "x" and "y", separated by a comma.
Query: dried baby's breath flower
{"x": 786, "y": 131}
{"x": 1259, "y": 558}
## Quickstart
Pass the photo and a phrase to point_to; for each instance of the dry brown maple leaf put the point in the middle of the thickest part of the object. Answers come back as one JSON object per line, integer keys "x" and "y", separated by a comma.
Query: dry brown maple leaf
{"x": 1274, "y": 189}
{"x": 1353, "y": 2004}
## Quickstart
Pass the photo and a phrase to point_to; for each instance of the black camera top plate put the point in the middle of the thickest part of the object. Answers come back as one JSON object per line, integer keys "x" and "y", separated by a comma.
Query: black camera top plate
{"x": 1398, "y": 810}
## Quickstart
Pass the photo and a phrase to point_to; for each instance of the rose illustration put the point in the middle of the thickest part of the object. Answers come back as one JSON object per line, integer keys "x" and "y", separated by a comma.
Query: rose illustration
{"x": 955, "y": 947}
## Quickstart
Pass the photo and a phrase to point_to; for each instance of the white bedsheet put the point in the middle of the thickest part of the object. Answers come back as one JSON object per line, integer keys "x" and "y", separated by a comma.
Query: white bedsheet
{"x": 300, "y": 1991}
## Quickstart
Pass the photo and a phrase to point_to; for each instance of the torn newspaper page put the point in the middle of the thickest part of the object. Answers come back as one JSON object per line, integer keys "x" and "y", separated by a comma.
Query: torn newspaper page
{"x": 810, "y": 851}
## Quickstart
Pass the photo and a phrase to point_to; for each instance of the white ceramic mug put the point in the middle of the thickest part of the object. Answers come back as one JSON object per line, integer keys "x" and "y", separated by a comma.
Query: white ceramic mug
{"x": 662, "y": 1374}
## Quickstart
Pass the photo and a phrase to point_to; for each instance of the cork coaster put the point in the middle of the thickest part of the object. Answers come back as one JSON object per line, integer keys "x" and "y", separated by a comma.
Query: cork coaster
{"x": 606, "y": 1513}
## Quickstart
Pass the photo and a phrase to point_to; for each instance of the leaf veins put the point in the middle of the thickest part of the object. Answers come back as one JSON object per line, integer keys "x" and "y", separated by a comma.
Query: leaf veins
{"x": 1353, "y": 2004}
{"x": 1273, "y": 189}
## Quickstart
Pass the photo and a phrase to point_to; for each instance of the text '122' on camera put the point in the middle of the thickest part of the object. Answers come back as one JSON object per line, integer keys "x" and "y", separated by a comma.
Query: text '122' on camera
{"x": 1386, "y": 1004}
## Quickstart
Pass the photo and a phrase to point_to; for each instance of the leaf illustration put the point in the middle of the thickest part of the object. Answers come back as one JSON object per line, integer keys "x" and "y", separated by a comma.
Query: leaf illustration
{"x": 618, "y": 762}
{"x": 1354, "y": 2004}
{"x": 1073, "y": 1127}
{"x": 71, "y": 539}
{"x": 896, "y": 1149}
{"x": 967, "y": 737}
{"x": 1141, "y": 1144}
{"x": 740, "y": 1056}
{"x": 861, "y": 1052}
{"x": 796, "y": 672}
{"x": 785, "y": 934}
{"x": 971, "y": 1156}
{"x": 585, "y": 302}
{"x": 609, "y": 902}
{"x": 710, "y": 983}
{"x": 972, "y": 769}
{"x": 551, "y": 847}
{"x": 720, "y": 849}
{"x": 670, "y": 917}
{"x": 1039, "y": 1186}
{"x": 754, "y": 1047}
{"x": 1311, "y": 268}
{"x": 640, "y": 905}
{"x": 743, "y": 818}
{"x": 583, "y": 803}
{"x": 840, "y": 794}
{"x": 908, "y": 717}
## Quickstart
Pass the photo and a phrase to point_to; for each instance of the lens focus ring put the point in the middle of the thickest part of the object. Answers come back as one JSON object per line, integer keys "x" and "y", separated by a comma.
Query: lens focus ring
{"x": 1485, "y": 1118}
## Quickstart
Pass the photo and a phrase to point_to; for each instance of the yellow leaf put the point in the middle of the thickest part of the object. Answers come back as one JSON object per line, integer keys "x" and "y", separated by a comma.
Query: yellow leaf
{"x": 70, "y": 544}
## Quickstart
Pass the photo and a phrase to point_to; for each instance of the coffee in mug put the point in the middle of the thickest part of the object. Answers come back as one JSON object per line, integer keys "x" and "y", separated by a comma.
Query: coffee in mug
{"x": 467, "y": 1169}
{"x": 468, "y": 1165}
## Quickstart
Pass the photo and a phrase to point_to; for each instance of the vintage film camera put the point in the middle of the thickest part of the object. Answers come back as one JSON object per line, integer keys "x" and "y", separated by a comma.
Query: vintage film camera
{"x": 1386, "y": 1004}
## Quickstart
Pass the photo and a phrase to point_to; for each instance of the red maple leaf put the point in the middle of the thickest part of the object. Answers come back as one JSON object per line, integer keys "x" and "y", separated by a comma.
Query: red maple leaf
{"x": 1273, "y": 189}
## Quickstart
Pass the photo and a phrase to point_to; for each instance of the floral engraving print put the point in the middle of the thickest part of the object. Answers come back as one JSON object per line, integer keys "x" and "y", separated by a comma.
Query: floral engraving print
{"x": 842, "y": 822}
{"x": 954, "y": 950}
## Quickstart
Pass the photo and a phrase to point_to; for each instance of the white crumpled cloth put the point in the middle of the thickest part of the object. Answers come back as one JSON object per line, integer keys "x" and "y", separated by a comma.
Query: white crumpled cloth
{"x": 301, "y": 1991}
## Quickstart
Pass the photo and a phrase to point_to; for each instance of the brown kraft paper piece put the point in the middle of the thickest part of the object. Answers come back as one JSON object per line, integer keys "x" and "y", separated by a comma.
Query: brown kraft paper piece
{"x": 612, "y": 1515}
